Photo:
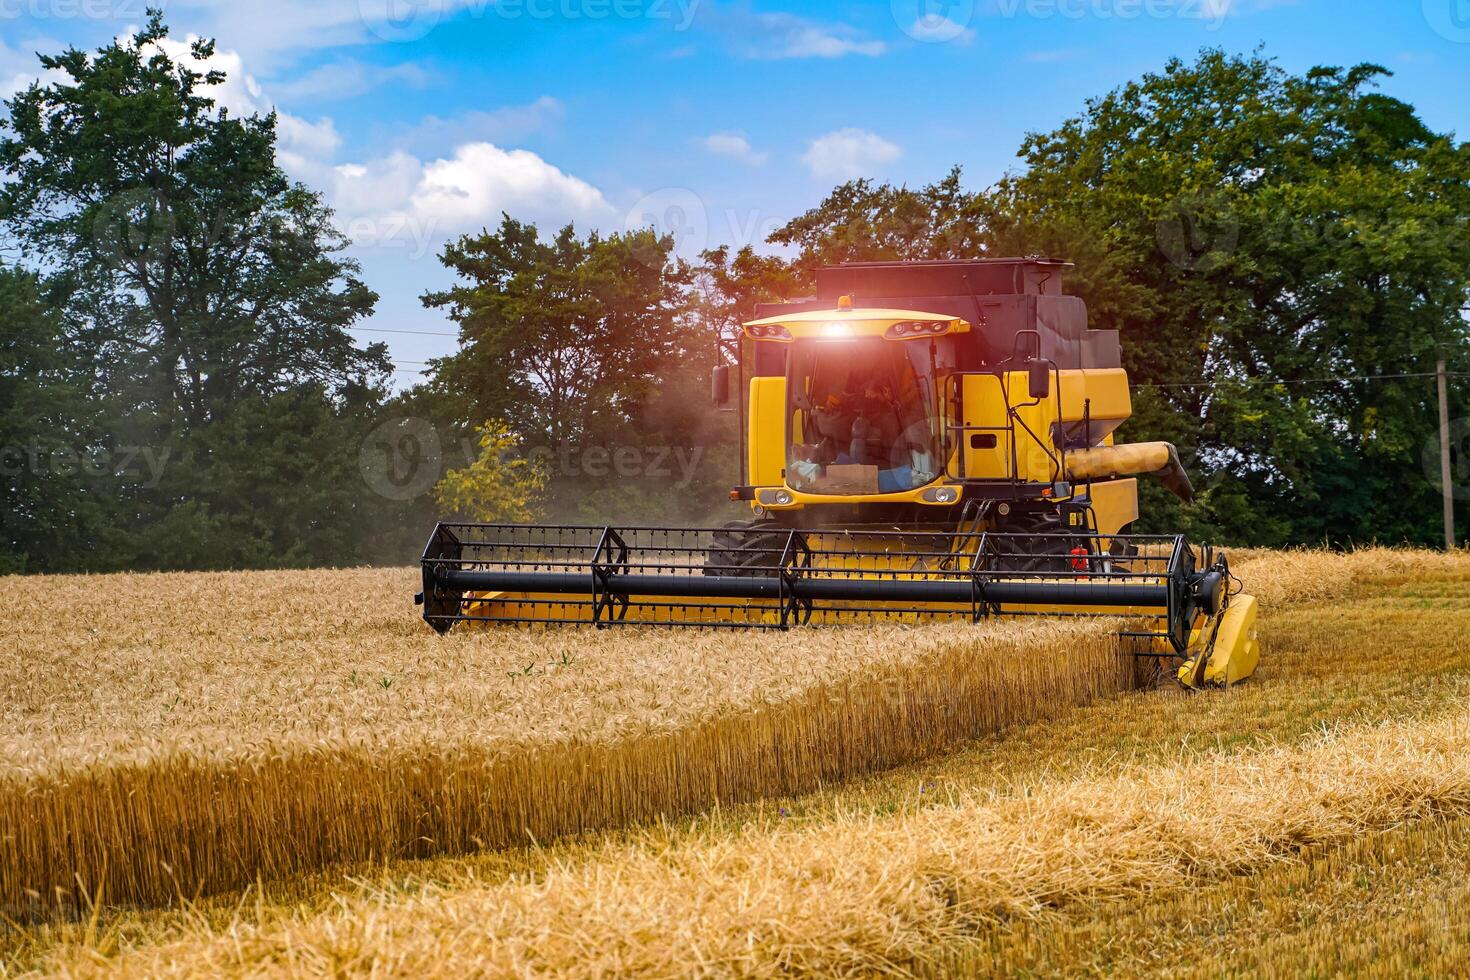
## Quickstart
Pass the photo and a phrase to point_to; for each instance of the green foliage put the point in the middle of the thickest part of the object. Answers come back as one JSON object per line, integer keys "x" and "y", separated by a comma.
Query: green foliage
{"x": 46, "y": 426}
{"x": 187, "y": 257}
{"x": 587, "y": 345}
{"x": 865, "y": 222}
{"x": 1264, "y": 232}
{"x": 559, "y": 338}
{"x": 1263, "y": 241}
{"x": 727, "y": 287}
{"x": 194, "y": 314}
{"x": 499, "y": 485}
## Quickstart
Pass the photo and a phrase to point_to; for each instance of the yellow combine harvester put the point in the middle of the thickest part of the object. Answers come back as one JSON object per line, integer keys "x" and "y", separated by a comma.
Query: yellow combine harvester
{"x": 923, "y": 441}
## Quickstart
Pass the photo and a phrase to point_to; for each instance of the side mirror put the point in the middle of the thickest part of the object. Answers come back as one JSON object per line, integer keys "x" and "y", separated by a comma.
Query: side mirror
{"x": 1039, "y": 379}
{"x": 719, "y": 384}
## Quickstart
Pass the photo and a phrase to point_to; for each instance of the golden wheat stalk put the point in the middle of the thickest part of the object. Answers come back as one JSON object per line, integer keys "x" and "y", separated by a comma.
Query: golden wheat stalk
{"x": 860, "y": 894}
{"x": 235, "y": 749}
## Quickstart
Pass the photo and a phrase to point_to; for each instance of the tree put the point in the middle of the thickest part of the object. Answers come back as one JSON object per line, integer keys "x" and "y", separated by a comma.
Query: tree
{"x": 52, "y": 512}
{"x": 191, "y": 264}
{"x": 1252, "y": 233}
{"x": 562, "y": 338}
{"x": 498, "y": 485}
{"x": 1264, "y": 242}
{"x": 194, "y": 312}
{"x": 865, "y": 222}
{"x": 727, "y": 287}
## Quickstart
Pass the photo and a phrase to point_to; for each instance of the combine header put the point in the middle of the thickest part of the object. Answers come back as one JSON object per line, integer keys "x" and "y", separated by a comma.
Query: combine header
{"x": 943, "y": 451}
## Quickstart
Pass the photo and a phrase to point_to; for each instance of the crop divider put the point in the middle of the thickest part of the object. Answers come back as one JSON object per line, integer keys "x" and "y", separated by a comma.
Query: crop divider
{"x": 610, "y": 558}
{"x": 796, "y": 561}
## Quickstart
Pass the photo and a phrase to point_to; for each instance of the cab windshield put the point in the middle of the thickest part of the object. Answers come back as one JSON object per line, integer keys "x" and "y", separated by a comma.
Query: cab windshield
{"x": 864, "y": 414}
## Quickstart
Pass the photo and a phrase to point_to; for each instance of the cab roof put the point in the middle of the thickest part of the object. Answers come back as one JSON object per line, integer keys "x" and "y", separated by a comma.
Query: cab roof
{"x": 854, "y": 322}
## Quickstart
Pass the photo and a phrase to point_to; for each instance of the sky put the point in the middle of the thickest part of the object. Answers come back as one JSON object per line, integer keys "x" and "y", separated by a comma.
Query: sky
{"x": 717, "y": 121}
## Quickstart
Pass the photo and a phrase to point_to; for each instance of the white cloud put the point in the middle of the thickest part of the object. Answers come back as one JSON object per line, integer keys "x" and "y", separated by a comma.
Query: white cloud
{"x": 270, "y": 32}
{"x": 303, "y": 147}
{"x": 402, "y": 201}
{"x": 938, "y": 28}
{"x": 239, "y": 93}
{"x": 481, "y": 180}
{"x": 505, "y": 124}
{"x": 734, "y": 146}
{"x": 849, "y": 153}
{"x": 349, "y": 78}
{"x": 19, "y": 67}
{"x": 780, "y": 35}
{"x": 362, "y": 193}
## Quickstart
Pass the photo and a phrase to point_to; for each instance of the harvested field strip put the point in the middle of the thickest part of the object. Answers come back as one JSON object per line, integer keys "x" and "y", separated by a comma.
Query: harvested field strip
{"x": 866, "y": 893}
{"x": 1390, "y": 904}
{"x": 626, "y": 728}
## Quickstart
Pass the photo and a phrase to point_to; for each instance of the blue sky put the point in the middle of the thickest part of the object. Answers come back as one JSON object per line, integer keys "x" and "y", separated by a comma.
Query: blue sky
{"x": 423, "y": 119}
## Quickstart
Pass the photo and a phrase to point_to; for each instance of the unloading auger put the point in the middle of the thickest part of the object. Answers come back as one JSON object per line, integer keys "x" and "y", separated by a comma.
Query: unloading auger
{"x": 943, "y": 451}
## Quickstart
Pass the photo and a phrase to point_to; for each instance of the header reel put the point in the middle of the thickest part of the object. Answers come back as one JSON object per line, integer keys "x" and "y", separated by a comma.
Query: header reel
{"x": 1173, "y": 602}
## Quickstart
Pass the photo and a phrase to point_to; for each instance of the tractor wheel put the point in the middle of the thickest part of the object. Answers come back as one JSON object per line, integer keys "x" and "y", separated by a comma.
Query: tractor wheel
{"x": 1119, "y": 553}
{"x": 746, "y": 548}
{"x": 1057, "y": 552}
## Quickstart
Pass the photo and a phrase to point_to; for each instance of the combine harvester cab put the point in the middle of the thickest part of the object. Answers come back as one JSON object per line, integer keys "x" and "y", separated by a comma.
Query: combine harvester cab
{"x": 944, "y": 450}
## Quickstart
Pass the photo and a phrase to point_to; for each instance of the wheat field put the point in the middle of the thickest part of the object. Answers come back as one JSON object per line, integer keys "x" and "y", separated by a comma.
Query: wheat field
{"x": 861, "y": 893}
{"x": 157, "y": 753}
{"x": 1308, "y": 822}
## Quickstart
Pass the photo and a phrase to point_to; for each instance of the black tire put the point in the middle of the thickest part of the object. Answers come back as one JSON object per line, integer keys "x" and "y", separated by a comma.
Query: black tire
{"x": 1052, "y": 552}
{"x": 740, "y": 548}
{"x": 1120, "y": 552}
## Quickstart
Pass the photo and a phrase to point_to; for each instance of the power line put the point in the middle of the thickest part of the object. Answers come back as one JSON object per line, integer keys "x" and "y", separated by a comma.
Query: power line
{"x": 413, "y": 333}
{"x": 1300, "y": 381}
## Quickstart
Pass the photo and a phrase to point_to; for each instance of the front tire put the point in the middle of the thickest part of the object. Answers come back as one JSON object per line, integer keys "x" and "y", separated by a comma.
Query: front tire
{"x": 1053, "y": 550}
{"x": 750, "y": 548}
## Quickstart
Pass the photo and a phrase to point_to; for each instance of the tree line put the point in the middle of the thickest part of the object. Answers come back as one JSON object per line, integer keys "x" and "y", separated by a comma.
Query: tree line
{"x": 1284, "y": 255}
